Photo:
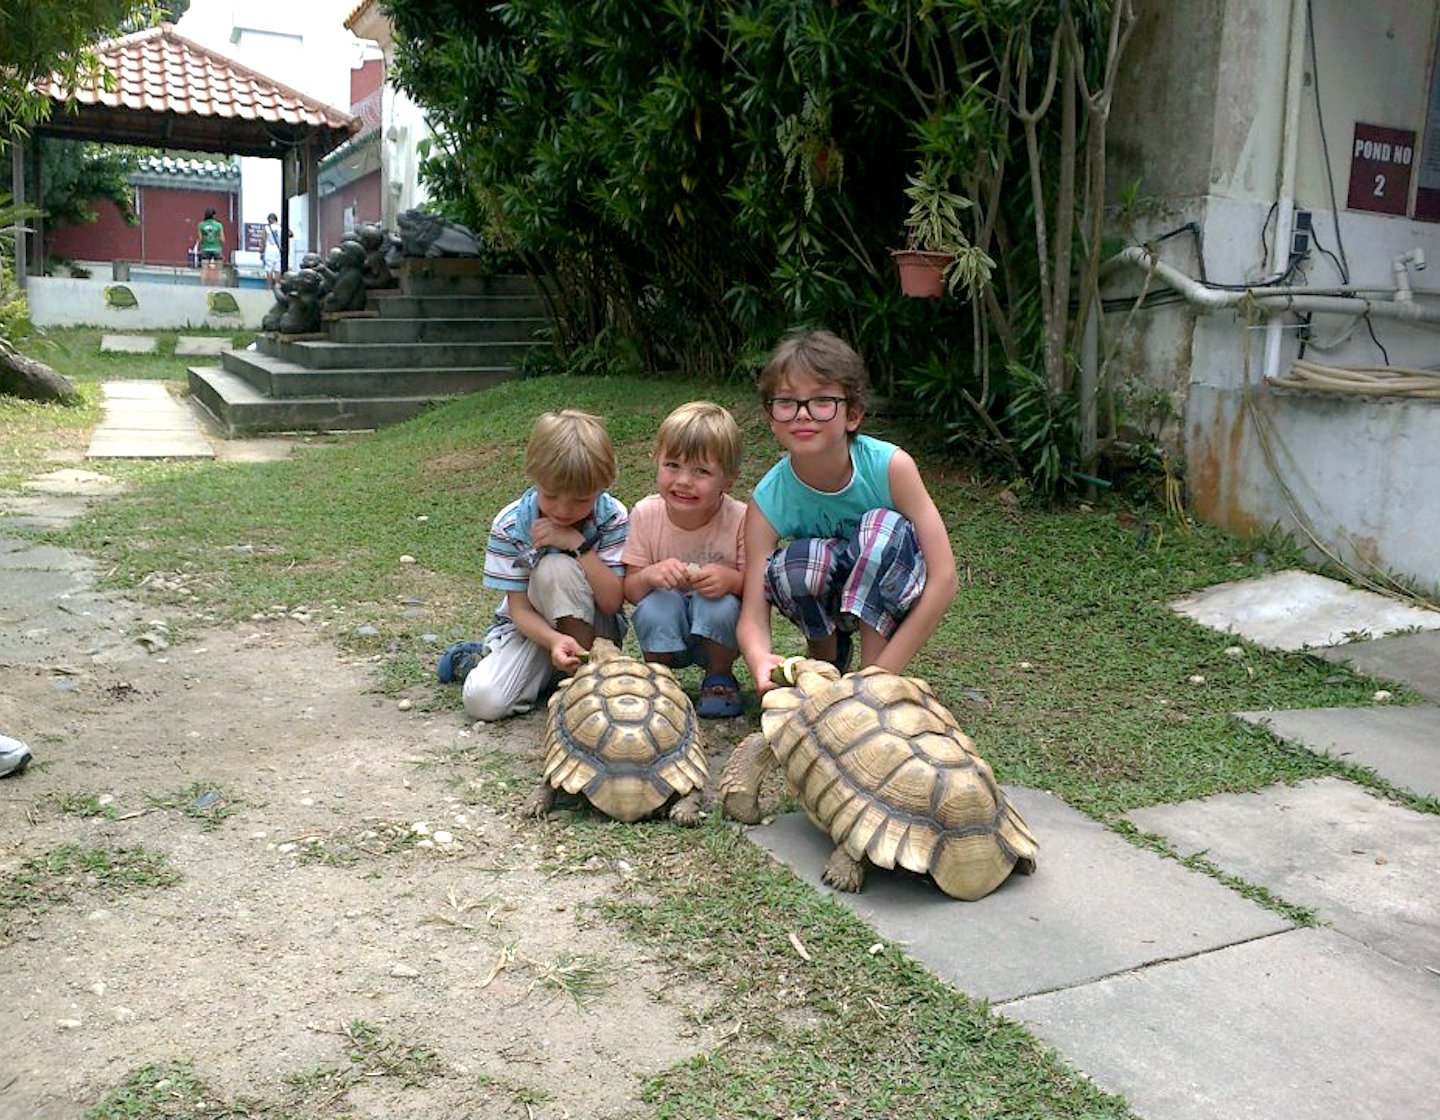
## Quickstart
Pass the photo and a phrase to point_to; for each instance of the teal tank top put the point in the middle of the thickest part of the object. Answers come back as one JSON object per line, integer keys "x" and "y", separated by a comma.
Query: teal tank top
{"x": 796, "y": 510}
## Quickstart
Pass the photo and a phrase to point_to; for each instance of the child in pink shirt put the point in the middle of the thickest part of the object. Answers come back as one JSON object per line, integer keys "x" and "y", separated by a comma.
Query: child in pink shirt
{"x": 685, "y": 553}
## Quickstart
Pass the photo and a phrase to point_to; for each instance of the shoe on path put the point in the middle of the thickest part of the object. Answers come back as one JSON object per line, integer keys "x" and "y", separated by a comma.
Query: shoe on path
{"x": 14, "y": 756}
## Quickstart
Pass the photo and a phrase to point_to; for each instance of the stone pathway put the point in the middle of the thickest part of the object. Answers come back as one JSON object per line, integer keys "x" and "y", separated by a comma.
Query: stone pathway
{"x": 143, "y": 421}
{"x": 1180, "y": 994}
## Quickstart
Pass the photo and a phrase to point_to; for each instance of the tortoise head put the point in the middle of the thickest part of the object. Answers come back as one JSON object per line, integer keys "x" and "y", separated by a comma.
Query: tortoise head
{"x": 793, "y": 672}
{"x": 601, "y": 649}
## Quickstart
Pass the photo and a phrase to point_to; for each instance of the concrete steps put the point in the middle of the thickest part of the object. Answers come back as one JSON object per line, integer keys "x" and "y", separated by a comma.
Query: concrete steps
{"x": 447, "y": 331}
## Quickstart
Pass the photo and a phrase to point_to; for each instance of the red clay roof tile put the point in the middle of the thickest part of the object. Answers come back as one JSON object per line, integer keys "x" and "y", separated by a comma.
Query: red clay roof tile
{"x": 159, "y": 71}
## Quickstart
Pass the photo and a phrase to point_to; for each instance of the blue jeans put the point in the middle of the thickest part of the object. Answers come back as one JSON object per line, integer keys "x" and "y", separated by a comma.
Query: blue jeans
{"x": 676, "y": 623}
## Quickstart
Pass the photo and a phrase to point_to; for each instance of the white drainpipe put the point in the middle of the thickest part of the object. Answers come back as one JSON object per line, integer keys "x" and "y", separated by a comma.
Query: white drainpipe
{"x": 1285, "y": 196}
{"x": 1275, "y": 301}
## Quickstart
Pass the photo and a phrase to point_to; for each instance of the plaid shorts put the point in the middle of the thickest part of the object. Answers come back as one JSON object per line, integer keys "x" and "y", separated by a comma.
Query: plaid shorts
{"x": 823, "y": 583}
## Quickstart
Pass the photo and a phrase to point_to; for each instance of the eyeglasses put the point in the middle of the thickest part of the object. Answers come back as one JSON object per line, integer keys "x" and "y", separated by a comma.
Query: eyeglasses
{"x": 820, "y": 409}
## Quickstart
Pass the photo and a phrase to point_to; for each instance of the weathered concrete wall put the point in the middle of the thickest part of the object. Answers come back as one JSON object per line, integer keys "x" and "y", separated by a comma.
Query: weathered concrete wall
{"x": 1167, "y": 91}
{"x": 1357, "y": 472}
{"x": 65, "y": 302}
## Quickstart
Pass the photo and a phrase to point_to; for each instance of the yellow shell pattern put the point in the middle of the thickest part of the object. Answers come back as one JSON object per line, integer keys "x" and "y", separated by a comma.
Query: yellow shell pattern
{"x": 883, "y": 768}
{"x": 623, "y": 734}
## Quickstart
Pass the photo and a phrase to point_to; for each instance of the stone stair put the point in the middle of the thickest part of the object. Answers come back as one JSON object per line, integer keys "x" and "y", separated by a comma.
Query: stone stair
{"x": 446, "y": 331}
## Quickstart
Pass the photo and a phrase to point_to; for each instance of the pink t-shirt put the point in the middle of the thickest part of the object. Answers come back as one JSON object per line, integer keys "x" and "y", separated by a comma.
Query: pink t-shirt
{"x": 651, "y": 536}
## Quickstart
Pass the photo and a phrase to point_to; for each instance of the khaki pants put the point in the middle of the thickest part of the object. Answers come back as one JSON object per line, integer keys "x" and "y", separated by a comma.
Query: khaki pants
{"x": 510, "y": 677}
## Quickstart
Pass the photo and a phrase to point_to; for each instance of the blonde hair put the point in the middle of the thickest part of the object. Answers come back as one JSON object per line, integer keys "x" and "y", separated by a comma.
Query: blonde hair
{"x": 570, "y": 454}
{"x": 825, "y": 357}
{"x": 701, "y": 430}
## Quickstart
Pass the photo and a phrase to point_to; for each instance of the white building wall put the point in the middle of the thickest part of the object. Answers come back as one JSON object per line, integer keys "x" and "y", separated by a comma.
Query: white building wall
{"x": 1355, "y": 472}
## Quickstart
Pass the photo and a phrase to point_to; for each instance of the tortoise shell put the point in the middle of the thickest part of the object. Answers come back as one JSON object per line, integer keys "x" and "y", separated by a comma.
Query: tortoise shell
{"x": 623, "y": 734}
{"x": 884, "y": 769}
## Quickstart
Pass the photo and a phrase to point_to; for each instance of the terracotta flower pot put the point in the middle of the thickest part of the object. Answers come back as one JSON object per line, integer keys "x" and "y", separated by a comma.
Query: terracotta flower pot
{"x": 922, "y": 274}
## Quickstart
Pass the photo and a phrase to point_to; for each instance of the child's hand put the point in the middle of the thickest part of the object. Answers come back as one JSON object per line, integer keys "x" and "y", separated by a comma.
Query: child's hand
{"x": 763, "y": 672}
{"x": 544, "y": 533}
{"x": 709, "y": 582}
{"x": 567, "y": 654}
{"x": 671, "y": 574}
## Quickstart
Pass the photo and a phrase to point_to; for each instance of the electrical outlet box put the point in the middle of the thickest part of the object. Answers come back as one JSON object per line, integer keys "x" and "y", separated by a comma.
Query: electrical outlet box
{"x": 1300, "y": 236}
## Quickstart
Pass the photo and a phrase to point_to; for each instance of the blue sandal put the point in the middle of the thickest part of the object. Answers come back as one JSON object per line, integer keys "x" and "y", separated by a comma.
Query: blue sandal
{"x": 458, "y": 660}
{"x": 719, "y": 697}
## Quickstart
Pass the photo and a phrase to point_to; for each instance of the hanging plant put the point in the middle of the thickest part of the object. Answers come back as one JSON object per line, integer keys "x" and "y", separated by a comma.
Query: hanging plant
{"x": 938, "y": 255}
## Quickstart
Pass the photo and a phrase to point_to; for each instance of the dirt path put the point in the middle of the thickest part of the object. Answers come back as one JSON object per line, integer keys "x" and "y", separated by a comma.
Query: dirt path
{"x": 355, "y": 927}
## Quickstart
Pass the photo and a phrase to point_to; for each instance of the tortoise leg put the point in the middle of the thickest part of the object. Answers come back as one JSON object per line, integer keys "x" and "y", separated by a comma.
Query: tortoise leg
{"x": 686, "y": 811}
{"x": 740, "y": 781}
{"x": 844, "y": 872}
{"x": 540, "y": 802}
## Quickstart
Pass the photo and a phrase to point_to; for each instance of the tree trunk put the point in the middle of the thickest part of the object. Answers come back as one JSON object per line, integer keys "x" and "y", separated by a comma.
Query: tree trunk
{"x": 25, "y": 377}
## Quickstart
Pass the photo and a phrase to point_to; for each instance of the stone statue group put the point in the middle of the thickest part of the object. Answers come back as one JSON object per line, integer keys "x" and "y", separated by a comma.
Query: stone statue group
{"x": 367, "y": 259}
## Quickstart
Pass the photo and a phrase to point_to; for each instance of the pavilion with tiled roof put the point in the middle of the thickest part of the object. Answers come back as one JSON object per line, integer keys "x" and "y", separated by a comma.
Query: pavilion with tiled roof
{"x": 168, "y": 91}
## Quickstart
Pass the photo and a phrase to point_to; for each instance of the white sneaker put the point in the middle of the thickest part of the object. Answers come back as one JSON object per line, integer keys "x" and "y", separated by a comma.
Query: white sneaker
{"x": 14, "y": 756}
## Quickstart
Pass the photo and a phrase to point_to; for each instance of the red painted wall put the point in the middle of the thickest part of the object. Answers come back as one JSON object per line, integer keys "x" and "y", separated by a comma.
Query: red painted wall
{"x": 166, "y": 233}
{"x": 366, "y": 80}
{"x": 363, "y": 194}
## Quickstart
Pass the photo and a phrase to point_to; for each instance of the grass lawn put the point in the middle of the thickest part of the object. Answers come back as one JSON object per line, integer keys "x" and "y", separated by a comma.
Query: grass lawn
{"x": 1059, "y": 655}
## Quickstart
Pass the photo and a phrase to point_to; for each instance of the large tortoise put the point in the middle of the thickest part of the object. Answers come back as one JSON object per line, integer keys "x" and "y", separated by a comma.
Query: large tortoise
{"x": 882, "y": 767}
{"x": 623, "y": 734}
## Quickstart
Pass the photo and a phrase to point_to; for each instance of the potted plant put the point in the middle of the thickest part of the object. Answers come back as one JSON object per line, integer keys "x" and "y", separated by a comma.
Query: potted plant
{"x": 937, "y": 254}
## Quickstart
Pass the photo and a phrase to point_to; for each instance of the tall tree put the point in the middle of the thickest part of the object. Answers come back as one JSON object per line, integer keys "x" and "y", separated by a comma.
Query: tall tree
{"x": 38, "y": 38}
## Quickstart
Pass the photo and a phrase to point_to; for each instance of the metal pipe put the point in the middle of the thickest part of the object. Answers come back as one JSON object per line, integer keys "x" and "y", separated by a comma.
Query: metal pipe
{"x": 1272, "y": 301}
{"x": 1285, "y": 193}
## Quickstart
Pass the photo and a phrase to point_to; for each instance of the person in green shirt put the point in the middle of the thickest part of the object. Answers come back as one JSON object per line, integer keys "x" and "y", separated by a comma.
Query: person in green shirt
{"x": 211, "y": 241}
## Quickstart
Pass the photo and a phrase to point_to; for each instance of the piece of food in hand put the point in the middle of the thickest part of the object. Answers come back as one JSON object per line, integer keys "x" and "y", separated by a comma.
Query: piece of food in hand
{"x": 692, "y": 572}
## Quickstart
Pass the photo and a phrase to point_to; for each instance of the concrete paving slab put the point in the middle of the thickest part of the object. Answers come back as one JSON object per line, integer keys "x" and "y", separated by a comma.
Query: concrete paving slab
{"x": 254, "y": 450}
{"x": 1300, "y": 610}
{"x": 143, "y": 421}
{"x": 72, "y": 481}
{"x": 1412, "y": 659}
{"x": 154, "y": 448}
{"x": 171, "y": 422}
{"x": 1367, "y": 866}
{"x": 39, "y": 514}
{"x": 1096, "y": 905}
{"x": 18, "y": 554}
{"x": 127, "y": 344}
{"x": 210, "y": 345}
{"x": 1305, "y": 1025}
{"x": 1402, "y": 745}
{"x": 135, "y": 390}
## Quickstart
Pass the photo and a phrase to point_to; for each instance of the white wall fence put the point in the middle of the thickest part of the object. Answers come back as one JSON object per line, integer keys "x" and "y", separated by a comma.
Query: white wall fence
{"x": 122, "y": 305}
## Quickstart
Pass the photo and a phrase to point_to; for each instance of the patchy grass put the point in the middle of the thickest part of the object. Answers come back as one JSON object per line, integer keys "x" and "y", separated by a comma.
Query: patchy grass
{"x": 204, "y": 802}
{"x": 74, "y": 352}
{"x": 853, "y": 1031}
{"x": 162, "y": 1091}
{"x": 53, "y": 879}
{"x": 169, "y": 1090}
{"x": 36, "y": 437}
{"x": 85, "y": 805}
